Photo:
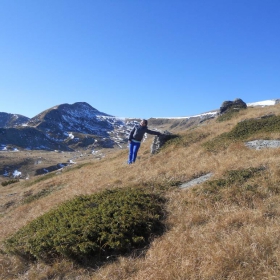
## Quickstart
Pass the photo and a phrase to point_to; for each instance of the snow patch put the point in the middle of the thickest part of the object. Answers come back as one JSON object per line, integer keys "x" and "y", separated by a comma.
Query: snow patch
{"x": 263, "y": 103}
{"x": 71, "y": 136}
{"x": 211, "y": 114}
{"x": 16, "y": 173}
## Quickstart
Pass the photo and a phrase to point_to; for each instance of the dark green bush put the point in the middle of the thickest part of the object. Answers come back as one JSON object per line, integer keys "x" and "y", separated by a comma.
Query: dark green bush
{"x": 236, "y": 187}
{"x": 111, "y": 222}
{"x": 230, "y": 178}
{"x": 243, "y": 131}
{"x": 247, "y": 128}
{"x": 12, "y": 181}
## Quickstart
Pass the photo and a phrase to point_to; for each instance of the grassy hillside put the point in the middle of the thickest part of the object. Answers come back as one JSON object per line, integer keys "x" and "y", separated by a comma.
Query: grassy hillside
{"x": 225, "y": 228}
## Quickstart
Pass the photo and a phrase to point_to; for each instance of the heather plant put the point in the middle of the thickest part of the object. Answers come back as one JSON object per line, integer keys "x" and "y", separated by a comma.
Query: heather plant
{"x": 110, "y": 222}
{"x": 232, "y": 177}
{"x": 12, "y": 181}
{"x": 247, "y": 128}
{"x": 244, "y": 130}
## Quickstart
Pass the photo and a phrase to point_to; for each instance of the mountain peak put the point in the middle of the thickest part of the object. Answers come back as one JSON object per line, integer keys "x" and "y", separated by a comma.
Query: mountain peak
{"x": 12, "y": 120}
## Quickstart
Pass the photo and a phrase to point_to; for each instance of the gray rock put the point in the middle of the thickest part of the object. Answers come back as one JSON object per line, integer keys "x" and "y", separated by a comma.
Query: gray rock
{"x": 232, "y": 105}
{"x": 262, "y": 144}
{"x": 196, "y": 181}
{"x": 160, "y": 140}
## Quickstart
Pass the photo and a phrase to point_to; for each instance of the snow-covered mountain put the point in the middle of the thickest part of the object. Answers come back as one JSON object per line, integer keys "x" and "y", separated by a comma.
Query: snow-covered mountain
{"x": 69, "y": 127}
{"x": 12, "y": 120}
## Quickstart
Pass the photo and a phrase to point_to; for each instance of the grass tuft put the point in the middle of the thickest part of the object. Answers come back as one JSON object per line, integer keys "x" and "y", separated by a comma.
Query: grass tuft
{"x": 230, "y": 114}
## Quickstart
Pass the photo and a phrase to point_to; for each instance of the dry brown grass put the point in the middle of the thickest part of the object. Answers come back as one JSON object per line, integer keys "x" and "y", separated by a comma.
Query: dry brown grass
{"x": 230, "y": 235}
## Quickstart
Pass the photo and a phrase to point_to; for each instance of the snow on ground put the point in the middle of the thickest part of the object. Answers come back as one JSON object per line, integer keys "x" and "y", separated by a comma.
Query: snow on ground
{"x": 214, "y": 113}
{"x": 16, "y": 173}
{"x": 71, "y": 136}
{"x": 264, "y": 103}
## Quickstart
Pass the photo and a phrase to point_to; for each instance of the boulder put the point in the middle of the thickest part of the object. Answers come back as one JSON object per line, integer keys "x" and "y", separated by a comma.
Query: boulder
{"x": 237, "y": 104}
{"x": 160, "y": 140}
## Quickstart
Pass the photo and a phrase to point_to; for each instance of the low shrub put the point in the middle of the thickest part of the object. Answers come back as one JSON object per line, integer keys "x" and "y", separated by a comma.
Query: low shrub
{"x": 230, "y": 178}
{"x": 110, "y": 222}
{"x": 243, "y": 131}
{"x": 12, "y": 181}
{"x": 247, "y": 128}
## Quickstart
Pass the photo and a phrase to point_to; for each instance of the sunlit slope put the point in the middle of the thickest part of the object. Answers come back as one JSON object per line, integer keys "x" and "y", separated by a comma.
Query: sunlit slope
{"x": 226, "y": 228}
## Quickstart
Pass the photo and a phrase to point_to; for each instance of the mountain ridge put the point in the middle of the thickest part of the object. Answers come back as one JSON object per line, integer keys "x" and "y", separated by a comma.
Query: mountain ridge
{"x": 58, "y": 125}
{"x": 68, "y": 127}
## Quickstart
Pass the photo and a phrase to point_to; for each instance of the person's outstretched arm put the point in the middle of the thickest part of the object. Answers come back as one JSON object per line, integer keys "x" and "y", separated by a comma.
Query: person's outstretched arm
{"x": 153, "y": 132}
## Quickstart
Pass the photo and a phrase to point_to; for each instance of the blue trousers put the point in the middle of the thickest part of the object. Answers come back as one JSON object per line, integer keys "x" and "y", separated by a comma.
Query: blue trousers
{"x": 133, "y": 150}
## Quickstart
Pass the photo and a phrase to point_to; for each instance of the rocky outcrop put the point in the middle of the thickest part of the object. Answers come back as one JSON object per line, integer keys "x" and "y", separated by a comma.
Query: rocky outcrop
{"x": 263, "y": 144}
{"x": 160, "y": 140}
{"x": 237, "y": 104}
{"x": 196, "y": 181}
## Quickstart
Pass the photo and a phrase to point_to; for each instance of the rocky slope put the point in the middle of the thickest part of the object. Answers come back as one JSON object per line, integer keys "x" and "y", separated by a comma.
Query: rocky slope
{"x": 12, "y": 120}
{"x": 65, "y": 127}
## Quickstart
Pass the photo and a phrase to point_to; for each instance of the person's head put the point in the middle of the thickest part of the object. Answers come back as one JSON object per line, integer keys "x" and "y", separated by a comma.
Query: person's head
{"x": 144, "y": 122}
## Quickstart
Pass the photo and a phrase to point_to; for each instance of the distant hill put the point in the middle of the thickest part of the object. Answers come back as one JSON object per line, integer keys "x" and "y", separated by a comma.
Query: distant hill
{"x": 28, "y": 138}
{"x": 64, "y": 127}
{"x": 12, "y": 120}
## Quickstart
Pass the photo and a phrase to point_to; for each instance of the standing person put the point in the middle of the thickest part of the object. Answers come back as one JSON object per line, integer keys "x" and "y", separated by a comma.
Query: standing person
{"x": 135, "y": 137}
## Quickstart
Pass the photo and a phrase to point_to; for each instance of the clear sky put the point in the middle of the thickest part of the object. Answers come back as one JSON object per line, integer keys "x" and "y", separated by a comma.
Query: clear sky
{"x": 138, "y": 58}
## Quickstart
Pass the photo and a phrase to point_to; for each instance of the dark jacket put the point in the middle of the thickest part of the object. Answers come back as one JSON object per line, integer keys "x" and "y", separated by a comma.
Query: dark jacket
{"x": 138, "y": 132}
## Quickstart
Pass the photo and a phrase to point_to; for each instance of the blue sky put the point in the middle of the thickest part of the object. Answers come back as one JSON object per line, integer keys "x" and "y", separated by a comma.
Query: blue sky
{"x": 138, "y": 58}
